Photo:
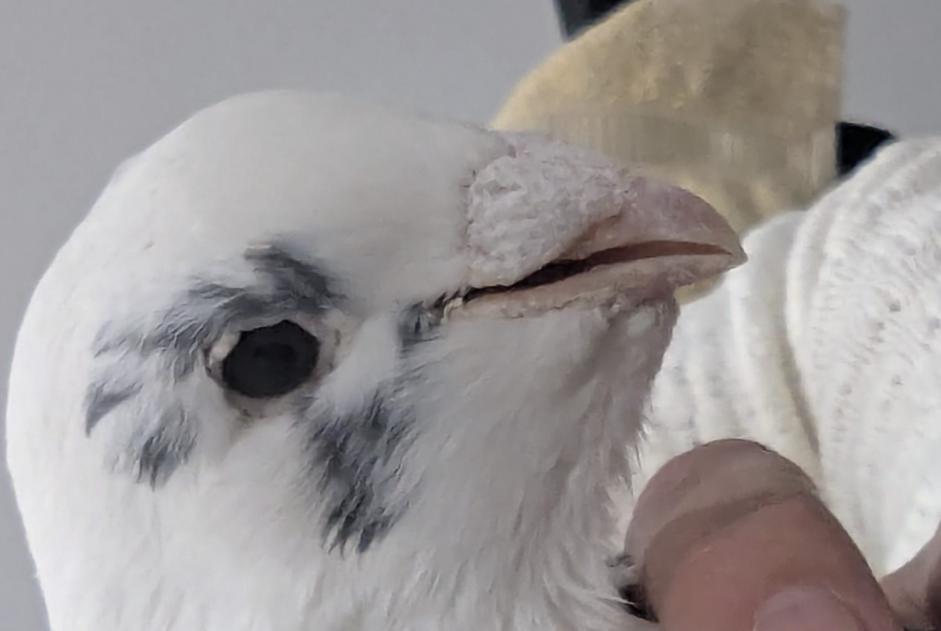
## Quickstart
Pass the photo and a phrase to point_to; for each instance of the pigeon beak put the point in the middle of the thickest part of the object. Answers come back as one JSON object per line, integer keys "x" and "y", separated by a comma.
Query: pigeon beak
{"x": 661, "y": 238}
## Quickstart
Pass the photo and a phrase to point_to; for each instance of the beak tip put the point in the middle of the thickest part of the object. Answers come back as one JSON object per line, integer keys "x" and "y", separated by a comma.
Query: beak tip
{"x": 738, "y": 256}
{"x": 735, "y": 255}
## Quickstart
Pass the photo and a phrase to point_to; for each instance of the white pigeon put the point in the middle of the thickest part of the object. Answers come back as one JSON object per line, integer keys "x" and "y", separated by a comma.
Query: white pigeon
{"x": 309, "y": 364}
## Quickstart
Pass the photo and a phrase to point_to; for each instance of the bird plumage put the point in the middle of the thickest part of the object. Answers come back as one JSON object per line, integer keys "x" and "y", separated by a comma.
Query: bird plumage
{"x": 431, "y": 471}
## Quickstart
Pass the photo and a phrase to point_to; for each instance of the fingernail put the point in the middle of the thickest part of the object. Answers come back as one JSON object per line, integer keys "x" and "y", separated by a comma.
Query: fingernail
{"x": 805, "y": 609}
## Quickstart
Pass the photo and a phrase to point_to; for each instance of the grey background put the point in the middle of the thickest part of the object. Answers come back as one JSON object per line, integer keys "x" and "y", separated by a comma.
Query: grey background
{"x": 84, "y": 84}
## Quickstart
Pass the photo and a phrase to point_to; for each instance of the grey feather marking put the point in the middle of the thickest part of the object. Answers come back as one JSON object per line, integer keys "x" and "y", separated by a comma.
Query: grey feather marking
{"x": 417, "y": 324}
{"x": 287, "y": 286}
{"x": 292, "y": 286}
{"x": 357, "y": 457}
{"x": 102, "y": 397}
{"x": 159, "y": 453}
{"x": 302, "y": 284}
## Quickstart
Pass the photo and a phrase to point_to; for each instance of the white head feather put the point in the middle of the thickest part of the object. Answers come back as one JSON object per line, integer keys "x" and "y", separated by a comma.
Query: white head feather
{"x": 444, "y": 466}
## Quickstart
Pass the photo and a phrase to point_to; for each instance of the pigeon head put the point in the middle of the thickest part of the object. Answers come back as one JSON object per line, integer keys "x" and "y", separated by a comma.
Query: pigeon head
{"x": 309, "y": 363}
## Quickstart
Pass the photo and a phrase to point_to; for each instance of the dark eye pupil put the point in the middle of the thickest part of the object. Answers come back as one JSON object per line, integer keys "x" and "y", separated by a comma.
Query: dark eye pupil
{"x": 271, "y": 361}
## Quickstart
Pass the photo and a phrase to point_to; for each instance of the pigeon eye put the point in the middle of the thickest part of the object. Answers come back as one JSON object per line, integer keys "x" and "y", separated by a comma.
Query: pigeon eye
{"x": 270, "y": 361}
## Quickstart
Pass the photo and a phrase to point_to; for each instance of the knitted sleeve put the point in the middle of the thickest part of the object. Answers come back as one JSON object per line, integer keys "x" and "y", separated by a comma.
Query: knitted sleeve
{"x": 826, "y": 346}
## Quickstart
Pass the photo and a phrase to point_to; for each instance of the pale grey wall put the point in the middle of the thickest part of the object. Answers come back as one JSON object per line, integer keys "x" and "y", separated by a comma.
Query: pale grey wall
{"x": 84, "y": 84}
{"x": 893, "y": 70}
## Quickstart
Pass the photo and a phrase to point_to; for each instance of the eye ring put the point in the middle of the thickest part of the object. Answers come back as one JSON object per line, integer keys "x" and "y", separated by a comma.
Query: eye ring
{"x": 270, "y": 361}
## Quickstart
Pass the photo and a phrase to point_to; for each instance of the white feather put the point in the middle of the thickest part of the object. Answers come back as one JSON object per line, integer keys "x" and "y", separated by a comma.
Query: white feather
{"x": 518, "y": 426}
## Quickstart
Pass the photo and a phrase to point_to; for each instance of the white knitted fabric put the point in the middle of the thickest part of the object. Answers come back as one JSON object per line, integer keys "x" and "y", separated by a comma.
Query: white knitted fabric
{"x": 826, "y": 346}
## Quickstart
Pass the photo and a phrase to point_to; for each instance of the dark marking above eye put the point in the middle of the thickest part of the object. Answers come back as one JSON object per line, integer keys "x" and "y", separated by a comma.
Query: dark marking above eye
{"x": 137, "y": 368}
{"x": 271, "y": 361}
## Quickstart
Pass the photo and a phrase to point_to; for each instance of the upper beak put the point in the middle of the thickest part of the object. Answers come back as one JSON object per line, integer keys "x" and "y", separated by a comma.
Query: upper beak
{"x": 658, "y": 220}
{"x": 641, "y": 238}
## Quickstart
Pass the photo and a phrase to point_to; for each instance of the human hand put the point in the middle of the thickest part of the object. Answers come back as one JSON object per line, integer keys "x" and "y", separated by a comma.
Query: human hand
{"x": 732, "y": 537}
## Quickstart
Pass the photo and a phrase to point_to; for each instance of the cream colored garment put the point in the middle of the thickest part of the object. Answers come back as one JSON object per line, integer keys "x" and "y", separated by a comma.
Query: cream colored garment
{"x": 826, "y": 346}
{"x": 736, "y": 100}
